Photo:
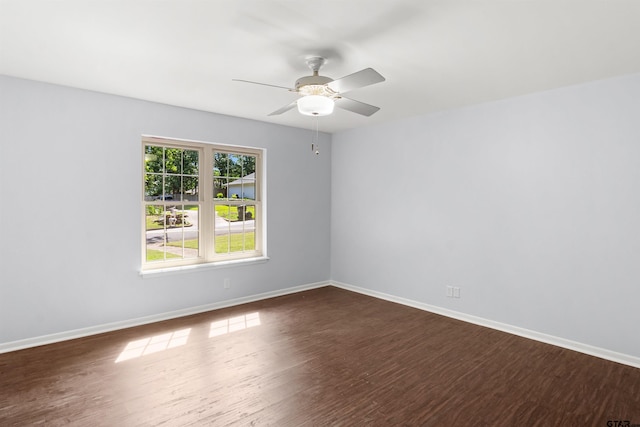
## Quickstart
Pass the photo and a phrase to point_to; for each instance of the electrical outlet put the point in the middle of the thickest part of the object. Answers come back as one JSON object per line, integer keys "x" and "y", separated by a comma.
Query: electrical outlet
{"x": 456, "y": 292}
{"x": 450, "y": 291}
{"x": 227, "y": 283}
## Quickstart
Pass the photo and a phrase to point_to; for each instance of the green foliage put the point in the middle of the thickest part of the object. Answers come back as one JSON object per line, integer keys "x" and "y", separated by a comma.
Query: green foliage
{"x": 154, "y": 210}
{"x": 170, "y": 170}
{"x": 233, "y": 165}
{"x": 220, "y": 196}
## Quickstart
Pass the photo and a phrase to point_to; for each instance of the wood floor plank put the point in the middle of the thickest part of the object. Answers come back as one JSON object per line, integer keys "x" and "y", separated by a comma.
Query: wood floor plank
{"x": 321, "y": 357}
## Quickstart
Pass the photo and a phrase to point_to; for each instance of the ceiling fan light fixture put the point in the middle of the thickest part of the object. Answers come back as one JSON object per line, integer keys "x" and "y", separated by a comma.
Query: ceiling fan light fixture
{"x": 315, "y": 105}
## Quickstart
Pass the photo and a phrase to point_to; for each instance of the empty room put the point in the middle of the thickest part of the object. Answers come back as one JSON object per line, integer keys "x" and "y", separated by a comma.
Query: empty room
{"x": 337, "y": 213}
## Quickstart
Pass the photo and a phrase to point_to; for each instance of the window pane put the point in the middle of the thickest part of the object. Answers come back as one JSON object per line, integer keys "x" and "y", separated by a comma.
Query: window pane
{"x": 246, "y": 216}
{"x": 222, "y": 228}
{"x": 234, "y": 176}
{"x": 152, "y": 186}
{"x": 220, "y": 164}
{"x": 223, "y": 212}
{"x": 153, "y": 158}
{"x": 248, "y": 165}
{"x": 235, "y": 242}
{"x": 172, "y": 233}
{"x": 249, "y": 187}
{"x": 243, "y": 188}
{"x": 182, "y": 237}
{"x": 235, "y": 228}
{"x": 171, "y": 174}
{"x": 190, "y": 181}
{"x": 220, "y": 188}
{"x": 190, "y": 163}
{"x": 234, "y": 166}
{"x": 190, "y": 188}
{"x": 173, "y": 160}
{"x": 250, "y": 214}
{"x": 249, "y": 241}
{"x": 154, "y": 230}
{"x": 172, "y": 187}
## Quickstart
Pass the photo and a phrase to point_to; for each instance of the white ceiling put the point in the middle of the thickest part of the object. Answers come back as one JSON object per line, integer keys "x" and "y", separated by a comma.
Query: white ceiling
{"x": 435, "y": 54}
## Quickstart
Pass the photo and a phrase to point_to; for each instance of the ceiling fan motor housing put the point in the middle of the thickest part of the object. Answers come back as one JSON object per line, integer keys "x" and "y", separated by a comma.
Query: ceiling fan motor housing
{"x": 312, "y": 81}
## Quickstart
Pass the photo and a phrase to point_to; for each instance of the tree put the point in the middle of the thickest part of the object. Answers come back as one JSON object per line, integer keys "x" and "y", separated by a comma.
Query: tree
{"x": 170, "y": 171}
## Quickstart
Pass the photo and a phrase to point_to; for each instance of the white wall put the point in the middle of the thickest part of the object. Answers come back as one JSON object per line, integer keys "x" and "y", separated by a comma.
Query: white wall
{"x": 70, "y": 187}
{"x": 530, "y": 205}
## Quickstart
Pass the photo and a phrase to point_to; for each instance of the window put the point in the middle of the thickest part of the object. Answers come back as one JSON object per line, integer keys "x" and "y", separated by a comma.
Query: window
{"x": 202, "y": 203}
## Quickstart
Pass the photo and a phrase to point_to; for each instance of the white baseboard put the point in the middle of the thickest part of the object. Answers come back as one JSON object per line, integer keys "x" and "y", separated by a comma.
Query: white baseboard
{"x": 108, "y": 327}
{"x": 526, "y": 333}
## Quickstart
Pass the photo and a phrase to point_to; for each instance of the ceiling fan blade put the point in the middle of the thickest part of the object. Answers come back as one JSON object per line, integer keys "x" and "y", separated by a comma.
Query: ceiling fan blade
{"x": 284, "y": 109}
{"x": 262, "y": 84}
{"x": 362, "y": 78}
{"x": 356, "y": 106}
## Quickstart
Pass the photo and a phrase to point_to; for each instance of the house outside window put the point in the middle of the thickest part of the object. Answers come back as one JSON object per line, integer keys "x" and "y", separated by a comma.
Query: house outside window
{"x": 202, "y": 203}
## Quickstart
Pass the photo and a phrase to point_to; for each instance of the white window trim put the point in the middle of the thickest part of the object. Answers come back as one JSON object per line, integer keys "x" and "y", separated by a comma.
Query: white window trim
{"x": 207, "y": 257}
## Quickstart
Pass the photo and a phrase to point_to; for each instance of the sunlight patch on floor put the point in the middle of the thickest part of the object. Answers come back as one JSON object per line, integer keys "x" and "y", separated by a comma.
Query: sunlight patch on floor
{"x": 154, "y": 344}
{"x": 233, "y": 324}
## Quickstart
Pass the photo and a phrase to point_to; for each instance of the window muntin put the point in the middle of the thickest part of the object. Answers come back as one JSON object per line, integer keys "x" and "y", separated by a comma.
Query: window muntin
{"x": 185, "y": 223}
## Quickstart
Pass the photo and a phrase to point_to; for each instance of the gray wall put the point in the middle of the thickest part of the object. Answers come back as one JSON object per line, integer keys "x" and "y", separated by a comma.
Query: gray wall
{"x": 70, "y": 188}
{"x": 530, "y": 205}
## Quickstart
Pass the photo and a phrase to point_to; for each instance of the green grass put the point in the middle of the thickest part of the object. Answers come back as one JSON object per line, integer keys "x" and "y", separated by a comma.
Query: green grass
{"x": 154, "y": 255}
{"x": 222, "y": 243}
{"x": 230, "y": 213}
{"x": 152, "y": 222}
{"x": 188, "y": 244}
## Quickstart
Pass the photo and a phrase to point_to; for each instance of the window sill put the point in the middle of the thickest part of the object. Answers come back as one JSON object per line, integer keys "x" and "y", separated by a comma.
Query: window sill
{"x": 205, "y": 266}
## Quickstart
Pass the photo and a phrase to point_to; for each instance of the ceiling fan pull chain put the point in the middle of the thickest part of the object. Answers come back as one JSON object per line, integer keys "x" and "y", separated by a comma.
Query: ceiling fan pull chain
{"x": 315, "y": 138}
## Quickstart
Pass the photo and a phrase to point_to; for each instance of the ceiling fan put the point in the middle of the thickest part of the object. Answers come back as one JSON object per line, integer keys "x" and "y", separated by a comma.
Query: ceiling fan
{"x": 319, "y": 93}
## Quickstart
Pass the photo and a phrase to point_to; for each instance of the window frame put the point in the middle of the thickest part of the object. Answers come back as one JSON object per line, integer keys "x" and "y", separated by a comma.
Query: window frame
{"x": 206, "y": 203}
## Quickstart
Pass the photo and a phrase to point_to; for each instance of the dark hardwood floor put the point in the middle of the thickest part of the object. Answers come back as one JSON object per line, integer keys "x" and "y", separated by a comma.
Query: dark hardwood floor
{"x": 315, "y": 358}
